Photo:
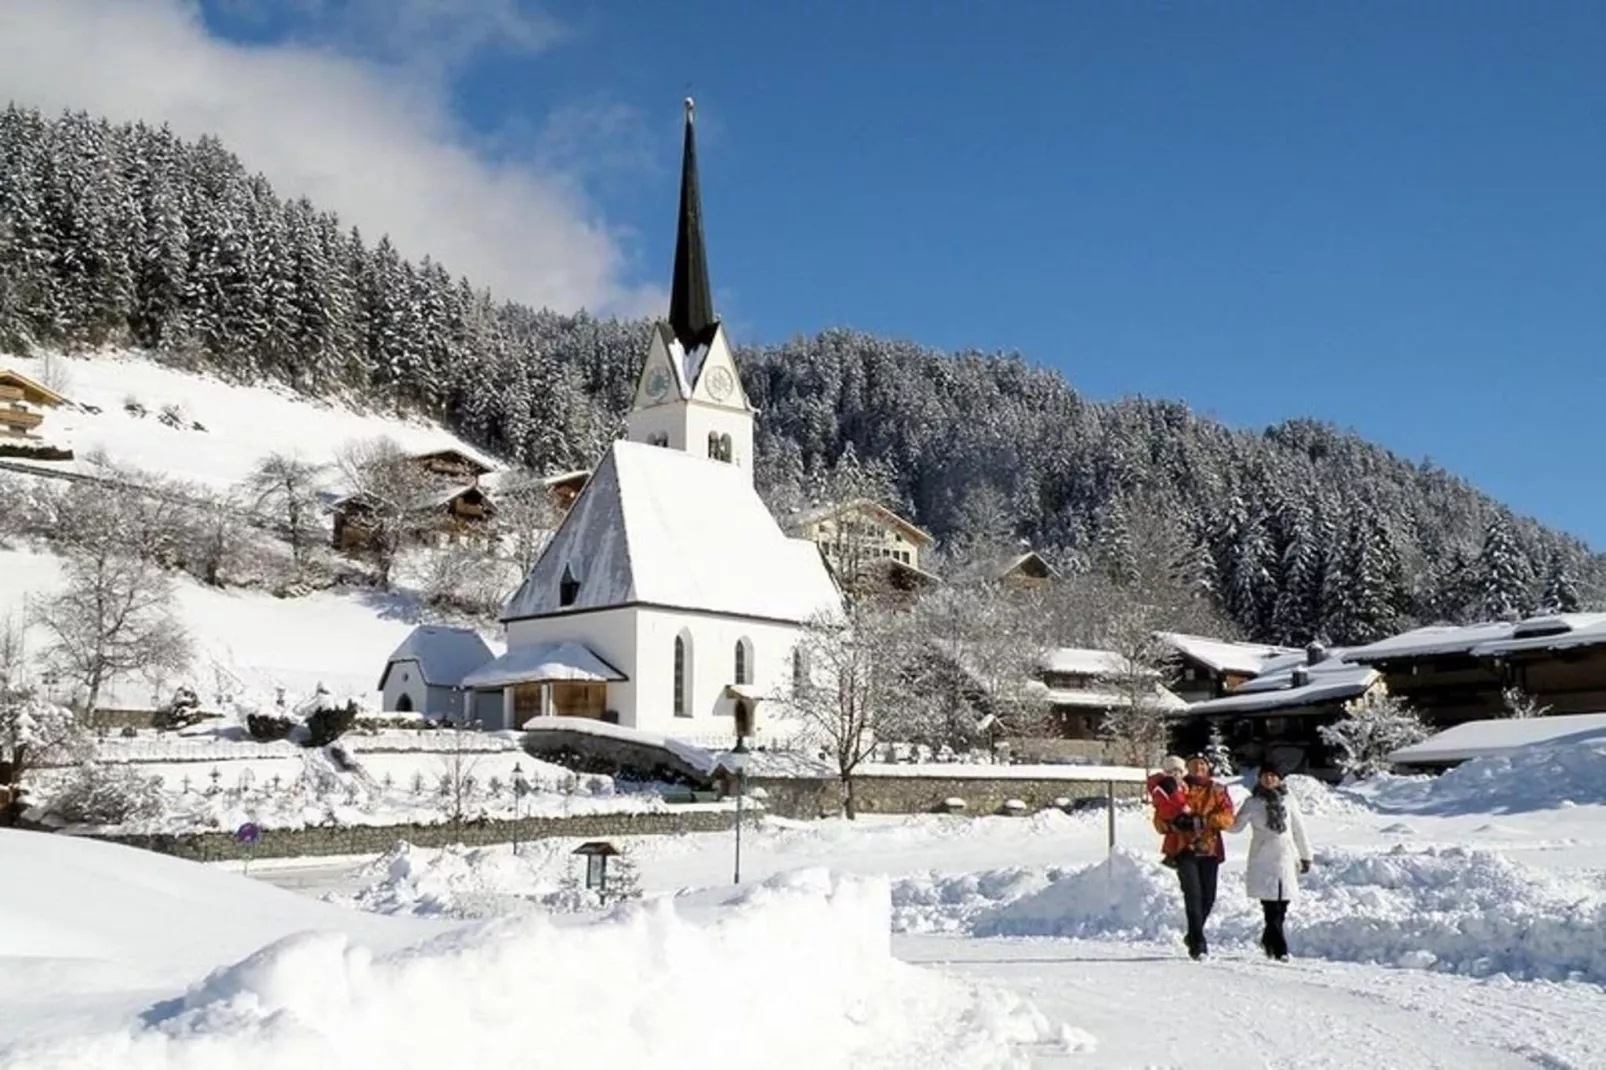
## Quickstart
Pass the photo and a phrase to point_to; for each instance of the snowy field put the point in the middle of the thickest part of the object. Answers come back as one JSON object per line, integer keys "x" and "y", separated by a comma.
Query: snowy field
{"x": 1457, "y": 922}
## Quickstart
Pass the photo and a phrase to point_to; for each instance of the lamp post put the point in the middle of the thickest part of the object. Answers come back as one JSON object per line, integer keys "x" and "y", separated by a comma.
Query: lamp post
{"x": 521, "y": 787}
{"x": 736, "y": 762}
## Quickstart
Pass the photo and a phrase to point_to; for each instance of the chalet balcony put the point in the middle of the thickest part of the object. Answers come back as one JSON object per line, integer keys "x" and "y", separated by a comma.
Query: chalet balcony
{"x": 19, "y": 421}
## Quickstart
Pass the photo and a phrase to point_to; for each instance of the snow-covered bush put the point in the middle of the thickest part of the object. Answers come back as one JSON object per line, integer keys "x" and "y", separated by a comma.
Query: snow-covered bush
{"x": 1374, "y": 726}
{"x": 330, "y": 723}
{"x": 95, "y": 794}
{"x": 268, "y": 728}
{"x": 1219, "y": 754}
{"x": 34, "y": 733}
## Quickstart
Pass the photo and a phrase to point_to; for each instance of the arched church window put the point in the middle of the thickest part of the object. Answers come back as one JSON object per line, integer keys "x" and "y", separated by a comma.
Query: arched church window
{"x": 725, "y": 448}
{"x": 682, "y": 676}
{"x": 405, "y": 703}
{"x": 658, "y": 438}
{"x": 713, "y": 445}
{"x": 744, "y": 661}
{"x": 568, "y": 588}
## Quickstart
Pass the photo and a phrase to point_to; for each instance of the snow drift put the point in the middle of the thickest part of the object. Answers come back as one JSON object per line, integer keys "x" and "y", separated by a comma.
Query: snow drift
{"x": 457, "y": 881}
{"x": 1533, "y": 778}
{"x": 797, "y": 972}
{"x": 1452, "y": 909}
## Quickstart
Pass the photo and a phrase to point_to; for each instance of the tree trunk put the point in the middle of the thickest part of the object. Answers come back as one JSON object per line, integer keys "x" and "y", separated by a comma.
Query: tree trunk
{"x": 850, "y": 804}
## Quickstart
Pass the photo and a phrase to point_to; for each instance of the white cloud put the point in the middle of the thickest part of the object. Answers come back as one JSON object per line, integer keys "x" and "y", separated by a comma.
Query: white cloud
{"x": 370, "y": 137}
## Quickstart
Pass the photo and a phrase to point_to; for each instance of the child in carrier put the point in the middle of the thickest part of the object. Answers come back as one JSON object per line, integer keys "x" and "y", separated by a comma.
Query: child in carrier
{"x": 1169, "y": 796}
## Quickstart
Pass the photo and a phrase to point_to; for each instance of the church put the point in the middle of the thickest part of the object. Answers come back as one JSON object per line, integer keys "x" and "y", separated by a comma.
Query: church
{"x": 669, "y": 600}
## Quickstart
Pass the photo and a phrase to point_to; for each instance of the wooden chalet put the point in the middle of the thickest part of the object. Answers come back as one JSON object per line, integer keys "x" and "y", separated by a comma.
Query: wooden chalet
{"x": 1456, "y": 674}
{"x": 452, "y": 464}
{"x": 1203, "y": 668}
{"x": 1027, "y": 570}
{"x": 861, "y": 532}
{"x": 1279, "y": 714}
{"x": 23, "y": 404}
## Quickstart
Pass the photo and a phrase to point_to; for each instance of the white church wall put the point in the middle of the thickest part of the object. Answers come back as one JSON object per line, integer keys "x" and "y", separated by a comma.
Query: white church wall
{"x": 712, "y": 665}
{"x": 609, "y": 633}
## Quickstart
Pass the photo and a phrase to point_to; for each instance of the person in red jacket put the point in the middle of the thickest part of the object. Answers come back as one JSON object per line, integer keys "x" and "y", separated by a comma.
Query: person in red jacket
{"x": 1193, "y": 842}
{"x": 1169, "y": 797}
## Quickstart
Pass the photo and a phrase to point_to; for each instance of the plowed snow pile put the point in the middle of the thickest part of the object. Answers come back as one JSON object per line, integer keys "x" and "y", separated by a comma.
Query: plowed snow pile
{"x": 796, "y": 972}
{"x": 1452, "y": 909}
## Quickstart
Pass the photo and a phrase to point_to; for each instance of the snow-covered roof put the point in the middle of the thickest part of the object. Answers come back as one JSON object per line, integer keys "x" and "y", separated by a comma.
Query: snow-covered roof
{"x": 1096, "y": 699}
{"x": 1081, "y": 661}
{"x": 542, "y": 662}
{"x": 1502, "y": 736}
{"x": 698, "y": 758}
{"x": 1222, "y": 655}
{"x": 444, "y": 655}
{"x": 661, "y": 527}
{"x": 1279, "y": 687}
{"x": 1487, "y": 639}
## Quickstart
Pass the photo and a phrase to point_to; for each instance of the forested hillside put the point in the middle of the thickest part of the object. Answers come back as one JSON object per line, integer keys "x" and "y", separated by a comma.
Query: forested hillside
{"x": 127, "y": 235}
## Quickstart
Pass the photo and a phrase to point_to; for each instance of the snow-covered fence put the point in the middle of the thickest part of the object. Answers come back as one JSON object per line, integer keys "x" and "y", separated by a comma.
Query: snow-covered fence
{"x": 181, "y": 749}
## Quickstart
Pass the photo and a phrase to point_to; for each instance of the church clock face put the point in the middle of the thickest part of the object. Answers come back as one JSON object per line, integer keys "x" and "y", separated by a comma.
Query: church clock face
{"x": 658, "y": 384}
{"x": 720, "y": 384}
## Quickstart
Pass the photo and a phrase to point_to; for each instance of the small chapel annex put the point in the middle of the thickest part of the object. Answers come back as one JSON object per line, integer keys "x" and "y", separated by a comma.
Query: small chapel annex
{"x": 669, "y": 600}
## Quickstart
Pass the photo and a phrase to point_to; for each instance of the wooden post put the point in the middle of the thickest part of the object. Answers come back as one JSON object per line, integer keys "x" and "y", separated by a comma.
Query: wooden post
{"x": 1109, "y": 800}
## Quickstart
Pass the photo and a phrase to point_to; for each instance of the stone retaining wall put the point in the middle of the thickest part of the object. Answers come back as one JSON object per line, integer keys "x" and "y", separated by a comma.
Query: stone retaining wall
{"x": 376, "y": 839}
{"x": 807, "y": 799}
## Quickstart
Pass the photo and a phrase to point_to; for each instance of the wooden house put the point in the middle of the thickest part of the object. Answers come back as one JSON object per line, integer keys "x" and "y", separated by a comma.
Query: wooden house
{"x": 862, "y": 532}
{"x": 1027, "y": 570}
{"x": 23, "y": 405}
{"x": 1203, "y": 668}
{"x": 1455, "y": 674}
{"x": 1279, "y": 713}
{"x": 451, "y": 464}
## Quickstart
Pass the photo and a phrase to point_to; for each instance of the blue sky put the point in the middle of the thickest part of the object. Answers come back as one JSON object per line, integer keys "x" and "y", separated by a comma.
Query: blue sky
{"x": 1388, "y": 216}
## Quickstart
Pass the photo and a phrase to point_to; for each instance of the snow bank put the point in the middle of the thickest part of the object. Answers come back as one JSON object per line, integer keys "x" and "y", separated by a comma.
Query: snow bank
{"x": 1452, "y": 909}
{"x": 457, "y": 881}
{"x": 642, "y": 987}
{"x": 1534, "y": 778}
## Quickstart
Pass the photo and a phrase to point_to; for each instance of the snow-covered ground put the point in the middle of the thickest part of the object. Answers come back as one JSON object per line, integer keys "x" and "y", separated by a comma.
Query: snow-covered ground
{"x": 104, "y": 953}
{"x": 1451, "y": 922}
{"x": 202, "y": 782}
{"x": 238, "y": 424}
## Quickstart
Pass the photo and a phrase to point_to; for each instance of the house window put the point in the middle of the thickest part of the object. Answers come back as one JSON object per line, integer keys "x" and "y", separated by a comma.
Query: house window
{"x": 568, "y": 588}
{"x": 800, "y": 670}
{"x": 744, "y": 662}
{"x": 681, "y": 677}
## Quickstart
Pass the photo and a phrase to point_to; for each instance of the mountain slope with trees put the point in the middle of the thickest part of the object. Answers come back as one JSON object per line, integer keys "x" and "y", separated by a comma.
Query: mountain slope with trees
{"x": 127, "y": 235}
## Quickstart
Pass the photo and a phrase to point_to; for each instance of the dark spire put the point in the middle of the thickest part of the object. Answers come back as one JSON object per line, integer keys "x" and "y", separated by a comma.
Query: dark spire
{"x": 691, "y": 299}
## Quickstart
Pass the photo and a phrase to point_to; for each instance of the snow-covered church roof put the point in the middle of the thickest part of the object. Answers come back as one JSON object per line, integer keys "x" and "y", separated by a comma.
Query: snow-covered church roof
{"x": 660, "y": 527}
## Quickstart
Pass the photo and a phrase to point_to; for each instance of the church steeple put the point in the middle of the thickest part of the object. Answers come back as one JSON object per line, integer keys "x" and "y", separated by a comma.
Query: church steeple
{"x": 691, "y": 299}
{"x": 689, "y": 396}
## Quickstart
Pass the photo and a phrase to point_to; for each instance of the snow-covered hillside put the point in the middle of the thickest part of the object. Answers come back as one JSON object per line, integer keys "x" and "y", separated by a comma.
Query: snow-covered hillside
{"x": 242, "y": 424}
{"x": 247, "y": 642}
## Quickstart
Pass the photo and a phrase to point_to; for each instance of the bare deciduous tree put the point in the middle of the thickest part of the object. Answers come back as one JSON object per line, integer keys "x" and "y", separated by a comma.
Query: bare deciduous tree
{"x": 981, "y": 646}
{"x": 1139, "y": 725}
{"x": 114, "y": 617}
{"x": 286, "y": 489}
{"x": 526, "y": 517}
{"x": 853, "y": 687}
{"x": 391, "y": 492}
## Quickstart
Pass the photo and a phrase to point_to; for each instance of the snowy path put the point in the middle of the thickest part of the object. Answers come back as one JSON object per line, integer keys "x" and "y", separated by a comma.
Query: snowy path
{"x": 1148, "y": 1006}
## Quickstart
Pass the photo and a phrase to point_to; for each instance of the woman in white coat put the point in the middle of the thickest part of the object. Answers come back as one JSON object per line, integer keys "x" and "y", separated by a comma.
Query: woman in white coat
{"x": 1278, "y": 854}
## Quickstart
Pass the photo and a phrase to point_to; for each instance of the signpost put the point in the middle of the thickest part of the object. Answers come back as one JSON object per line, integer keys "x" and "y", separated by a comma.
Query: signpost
{"x": 247, "y": 836}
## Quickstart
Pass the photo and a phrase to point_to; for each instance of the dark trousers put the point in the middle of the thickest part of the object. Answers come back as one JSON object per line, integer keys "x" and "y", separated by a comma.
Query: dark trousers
{"x": 1197, "y": 875}
{"x": 1273, "y": 938}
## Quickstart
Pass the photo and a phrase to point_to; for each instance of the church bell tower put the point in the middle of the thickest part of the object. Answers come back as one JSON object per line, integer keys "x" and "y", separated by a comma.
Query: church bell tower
{"x": 690, "y": 396}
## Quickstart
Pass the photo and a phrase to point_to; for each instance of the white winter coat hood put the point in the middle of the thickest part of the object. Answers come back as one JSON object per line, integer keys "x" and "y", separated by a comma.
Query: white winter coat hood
{"x": 1273, "y": 868}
